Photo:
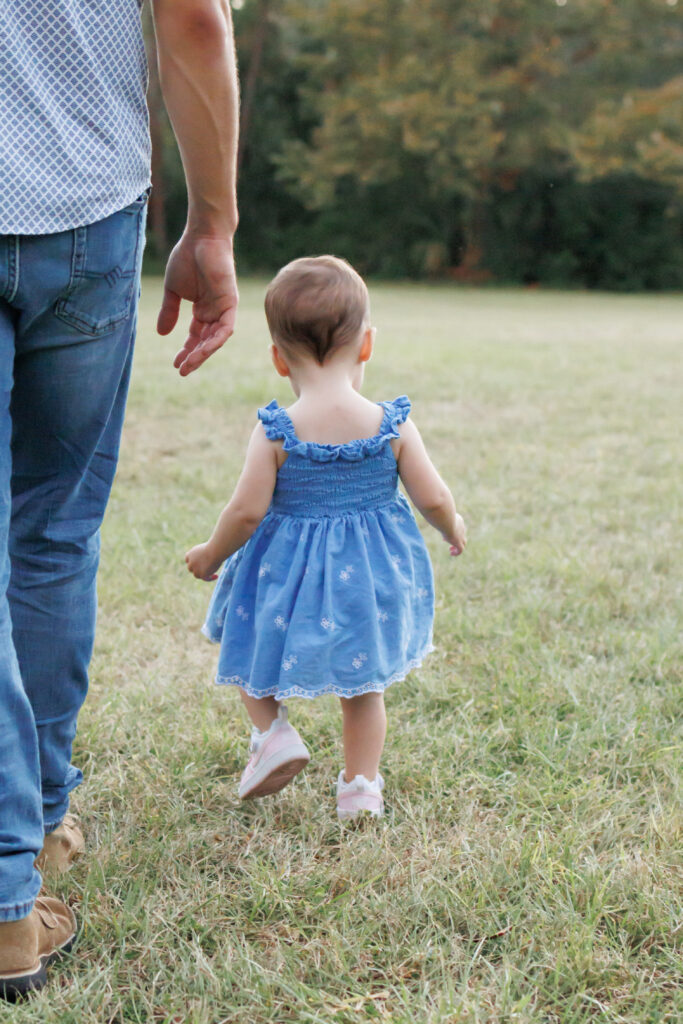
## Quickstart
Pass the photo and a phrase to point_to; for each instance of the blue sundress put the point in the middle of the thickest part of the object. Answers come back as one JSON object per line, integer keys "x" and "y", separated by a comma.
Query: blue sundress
{"x": 334, "y": 591}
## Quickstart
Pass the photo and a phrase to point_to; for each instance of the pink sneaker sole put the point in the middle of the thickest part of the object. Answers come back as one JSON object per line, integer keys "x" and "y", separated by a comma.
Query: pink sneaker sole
{"x": 271, "y": 778}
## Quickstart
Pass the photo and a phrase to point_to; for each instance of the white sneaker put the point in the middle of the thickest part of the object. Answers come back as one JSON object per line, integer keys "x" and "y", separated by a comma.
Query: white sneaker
{"x": 277, "y": 755}
{"x": 359, "y": 796}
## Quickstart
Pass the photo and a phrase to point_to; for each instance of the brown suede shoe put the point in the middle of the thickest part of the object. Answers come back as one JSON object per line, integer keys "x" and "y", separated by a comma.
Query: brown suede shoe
{"x": 61, "y": 848}
{"x": 29, "y": 945}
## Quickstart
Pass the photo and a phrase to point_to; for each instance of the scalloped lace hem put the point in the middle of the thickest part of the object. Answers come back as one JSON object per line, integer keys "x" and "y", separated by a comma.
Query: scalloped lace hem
{"x": 339, "y": 691}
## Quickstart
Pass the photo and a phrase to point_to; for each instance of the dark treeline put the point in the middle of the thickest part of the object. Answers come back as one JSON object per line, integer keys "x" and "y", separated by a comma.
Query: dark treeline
{"x": 532, "y": 141}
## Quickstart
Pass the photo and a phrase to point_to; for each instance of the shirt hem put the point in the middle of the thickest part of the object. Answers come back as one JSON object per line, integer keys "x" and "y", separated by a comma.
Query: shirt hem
{"x": 100, "y": 212}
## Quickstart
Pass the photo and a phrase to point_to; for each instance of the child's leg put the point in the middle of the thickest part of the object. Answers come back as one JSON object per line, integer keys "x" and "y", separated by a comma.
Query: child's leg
{"x": 364, "y": 729}
{"x": 261, "y": 710}
{"x": 276, "y": 754}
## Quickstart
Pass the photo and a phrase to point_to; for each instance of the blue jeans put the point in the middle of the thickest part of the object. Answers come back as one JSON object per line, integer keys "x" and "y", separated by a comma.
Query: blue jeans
{"x": 68, "y": 307}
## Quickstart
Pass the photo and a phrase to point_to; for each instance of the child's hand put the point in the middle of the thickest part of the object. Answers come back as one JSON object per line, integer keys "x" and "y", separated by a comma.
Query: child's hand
{"x": 458, "y": 541}
{"x": 202, "y": 563}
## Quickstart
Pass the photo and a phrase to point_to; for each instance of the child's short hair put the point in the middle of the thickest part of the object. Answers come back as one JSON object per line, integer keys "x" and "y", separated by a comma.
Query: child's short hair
{"x": 316, "y": 304}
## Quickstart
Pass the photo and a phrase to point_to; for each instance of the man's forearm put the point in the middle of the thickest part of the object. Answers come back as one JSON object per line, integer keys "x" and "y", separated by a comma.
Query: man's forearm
{"x": 198, "y": 76}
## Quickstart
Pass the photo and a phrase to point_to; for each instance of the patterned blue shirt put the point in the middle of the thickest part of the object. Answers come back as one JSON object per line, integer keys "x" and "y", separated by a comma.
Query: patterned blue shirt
{"x": 74, "y": 135}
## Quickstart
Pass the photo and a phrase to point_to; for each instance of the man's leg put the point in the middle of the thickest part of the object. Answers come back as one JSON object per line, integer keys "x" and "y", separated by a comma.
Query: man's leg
{"x": 73, "y": 355}
{"x": 21, "y": 818}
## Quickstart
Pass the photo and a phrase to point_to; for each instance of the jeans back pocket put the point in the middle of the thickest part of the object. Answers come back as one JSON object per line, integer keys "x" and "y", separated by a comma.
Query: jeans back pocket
{"x": 105, "y": 271}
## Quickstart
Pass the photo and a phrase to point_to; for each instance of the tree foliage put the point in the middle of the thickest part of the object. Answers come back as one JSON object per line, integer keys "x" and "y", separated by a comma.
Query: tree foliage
{"x": 481, "y": 92}
{"x": 388, "y": 128}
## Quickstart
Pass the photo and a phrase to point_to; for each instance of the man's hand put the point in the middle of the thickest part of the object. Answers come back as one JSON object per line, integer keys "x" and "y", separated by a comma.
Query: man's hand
{"x": 202, "y": 270}
{"x": 198, "y": 76}
{"x": 458, "y": 540}
{"x": 202, "y": 563}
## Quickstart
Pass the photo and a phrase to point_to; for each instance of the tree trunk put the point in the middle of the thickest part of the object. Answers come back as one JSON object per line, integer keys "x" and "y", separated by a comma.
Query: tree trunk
{"x": 251, "y": 81}
{"x": 469, "y": 269}
{"x": 157, "y": 116}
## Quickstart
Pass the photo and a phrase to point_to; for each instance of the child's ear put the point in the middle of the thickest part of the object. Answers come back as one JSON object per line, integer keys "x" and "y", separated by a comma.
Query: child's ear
{"x": 367, "y": 345}
{"x": 278, "y": 361}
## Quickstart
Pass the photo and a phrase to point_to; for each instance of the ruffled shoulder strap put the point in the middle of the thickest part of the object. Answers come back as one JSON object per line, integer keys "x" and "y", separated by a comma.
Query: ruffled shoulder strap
{"x": 395, "y": 413}
{"x": 277, "y": 424}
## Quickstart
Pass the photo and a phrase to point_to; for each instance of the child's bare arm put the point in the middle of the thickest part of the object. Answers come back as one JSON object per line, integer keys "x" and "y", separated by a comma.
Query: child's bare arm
{"x": 427, "y": 490}
{"x": 244, "y": 511}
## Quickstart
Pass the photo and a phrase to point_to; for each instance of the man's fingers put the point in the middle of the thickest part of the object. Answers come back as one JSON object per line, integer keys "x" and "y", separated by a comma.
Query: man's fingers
{"x": 168, "y": 314}
{"x": 182, "y": 355}
{"x": 195, "y": 352}
{"x": 187, "y": 362}
{"x": 194, "y": 338}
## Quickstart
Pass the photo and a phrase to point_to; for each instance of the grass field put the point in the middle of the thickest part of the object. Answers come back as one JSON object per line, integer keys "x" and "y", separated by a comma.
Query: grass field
{"x": 530, "y": 867}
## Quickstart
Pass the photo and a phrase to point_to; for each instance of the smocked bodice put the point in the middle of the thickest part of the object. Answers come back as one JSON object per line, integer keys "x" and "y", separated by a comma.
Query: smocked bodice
{"x": 308, "y": 488}
{"x": 335, "y": 479}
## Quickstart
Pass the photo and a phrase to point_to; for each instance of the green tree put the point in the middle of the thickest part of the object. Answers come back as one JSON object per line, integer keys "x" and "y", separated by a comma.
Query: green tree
{"x": 473, "y": 95}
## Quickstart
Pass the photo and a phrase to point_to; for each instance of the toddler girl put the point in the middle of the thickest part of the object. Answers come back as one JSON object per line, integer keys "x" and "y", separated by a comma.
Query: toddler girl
{"x": 327, "y": 587}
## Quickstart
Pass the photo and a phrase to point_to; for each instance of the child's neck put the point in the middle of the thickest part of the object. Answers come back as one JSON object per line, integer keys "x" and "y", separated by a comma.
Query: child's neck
{"x": 326, "y": 383}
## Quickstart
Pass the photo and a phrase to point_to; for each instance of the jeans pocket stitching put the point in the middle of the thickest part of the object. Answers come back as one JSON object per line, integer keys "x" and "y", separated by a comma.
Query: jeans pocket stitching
{"x": 73, "y": 316}
{"x": 90, "y": 325}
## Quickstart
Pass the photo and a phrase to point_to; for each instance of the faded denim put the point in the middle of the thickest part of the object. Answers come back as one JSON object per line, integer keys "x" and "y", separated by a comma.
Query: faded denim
{"x": 68, "y": 307}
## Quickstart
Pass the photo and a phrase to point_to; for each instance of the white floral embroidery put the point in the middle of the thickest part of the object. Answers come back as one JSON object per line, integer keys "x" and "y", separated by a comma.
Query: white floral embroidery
{"x": 395, "y": 517}
{"x": 328, "y": 624}
{"x": 346, "y": 573}
{"x": 421, "y": 592}
{"x": 382, "y": 616}
{"x": 359, "y": 660}
{"x": 280, "y": 623}
{"x": 240, "y": 612}
{"x": 264, "y": 569}
{"x": 396, "y": 561}
{"x": 289, "y": 662}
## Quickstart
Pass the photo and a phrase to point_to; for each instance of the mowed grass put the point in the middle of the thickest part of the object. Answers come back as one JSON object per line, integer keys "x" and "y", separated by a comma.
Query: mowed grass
{"x": 529, "y": 868}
